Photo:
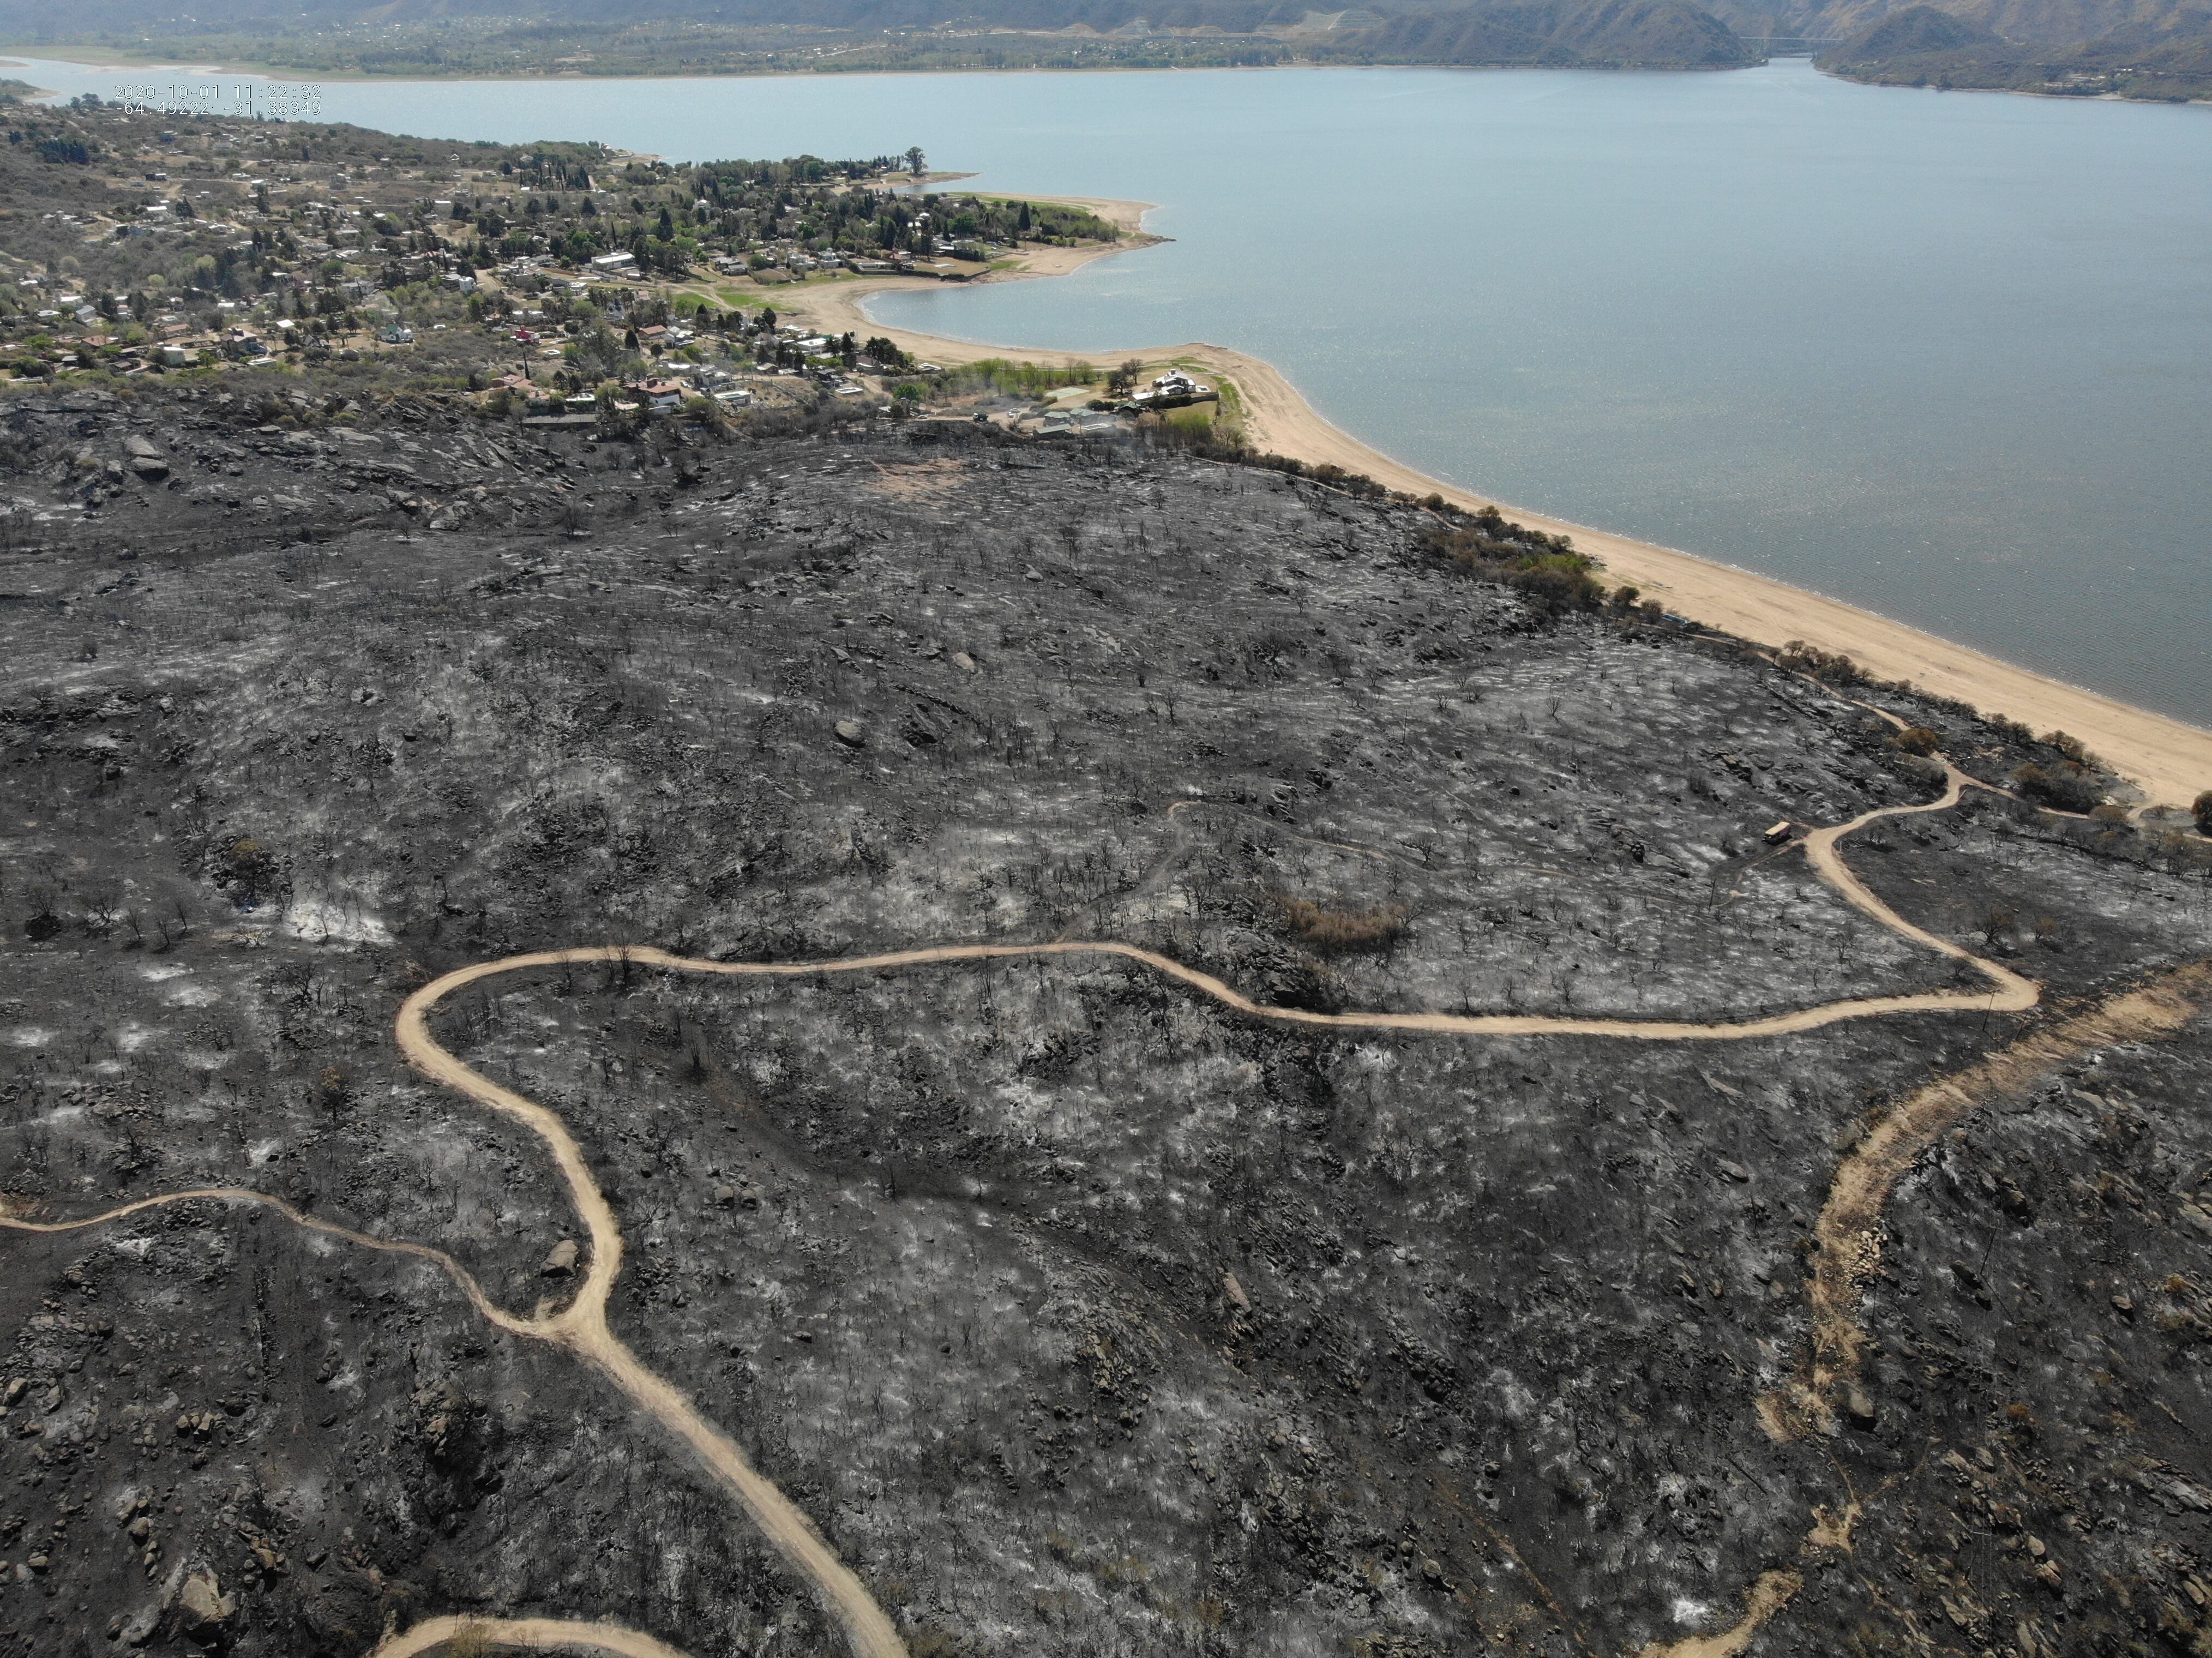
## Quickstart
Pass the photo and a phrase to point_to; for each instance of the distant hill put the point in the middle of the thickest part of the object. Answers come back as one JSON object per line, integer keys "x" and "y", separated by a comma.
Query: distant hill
{"x": 394, "y": 35}
{"x": 1918, "y": 29}
{"x": 2166, "y": 57}
{"x": 2046, "y": 22}
{"x": 2136, "y": 48}
{"x": 1651, "y": 33}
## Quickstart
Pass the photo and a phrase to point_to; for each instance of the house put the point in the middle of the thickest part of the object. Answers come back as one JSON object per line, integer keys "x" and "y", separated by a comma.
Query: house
{"x": 396, "y": 334}
{"x": 662, "y": 397}
{"x": 614, "y": 262}
{"x": 1172, "y": 390}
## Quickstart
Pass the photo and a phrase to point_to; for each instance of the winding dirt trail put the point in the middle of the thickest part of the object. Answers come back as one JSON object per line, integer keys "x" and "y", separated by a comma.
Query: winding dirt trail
{"x": 1849, "y": 1232}
{"x": 439, "y": 1257}
{"x": 525, "y": 1634}
{"x": 1848, "y": 1229}
{"x": 581, "y": 1327}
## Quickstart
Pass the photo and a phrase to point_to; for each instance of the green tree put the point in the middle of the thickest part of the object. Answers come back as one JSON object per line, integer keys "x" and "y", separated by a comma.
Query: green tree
{"x": 2202, "y": 812}
{"x": 914, "y": 159}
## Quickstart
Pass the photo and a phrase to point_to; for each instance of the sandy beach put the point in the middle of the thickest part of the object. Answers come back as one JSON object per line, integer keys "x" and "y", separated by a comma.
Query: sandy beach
{"x": 2170, "y": 760}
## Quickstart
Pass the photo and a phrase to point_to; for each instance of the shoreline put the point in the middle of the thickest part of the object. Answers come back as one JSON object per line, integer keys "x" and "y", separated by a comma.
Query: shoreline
{"x": 98, "y": 59}
{"x": 2169, "y": 760}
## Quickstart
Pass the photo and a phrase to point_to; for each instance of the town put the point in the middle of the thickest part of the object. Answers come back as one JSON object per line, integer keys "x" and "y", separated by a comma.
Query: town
{"x": 552, "y": 283}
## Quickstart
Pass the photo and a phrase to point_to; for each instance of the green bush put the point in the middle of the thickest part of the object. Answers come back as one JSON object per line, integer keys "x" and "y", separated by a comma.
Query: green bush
{"x": 1830, "y": 666}
{"x": 2065, "y": 787}
{"x": 1552, "y": 578}
{"x": 1027, "y": 380}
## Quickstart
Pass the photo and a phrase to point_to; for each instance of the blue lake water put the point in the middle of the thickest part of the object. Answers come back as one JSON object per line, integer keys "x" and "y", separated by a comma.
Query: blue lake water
{"x": 1946, "y": 356}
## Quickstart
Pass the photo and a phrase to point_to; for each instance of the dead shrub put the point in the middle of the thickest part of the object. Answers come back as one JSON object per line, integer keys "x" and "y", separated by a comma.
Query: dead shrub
{"x": 1341, "y": 931}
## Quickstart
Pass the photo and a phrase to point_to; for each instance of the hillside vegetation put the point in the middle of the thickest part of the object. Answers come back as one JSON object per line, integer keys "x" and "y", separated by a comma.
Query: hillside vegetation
{"x": 2146, "y": 49}
{"x": 2167, "y": 57}
{"x": 573, "y": 37}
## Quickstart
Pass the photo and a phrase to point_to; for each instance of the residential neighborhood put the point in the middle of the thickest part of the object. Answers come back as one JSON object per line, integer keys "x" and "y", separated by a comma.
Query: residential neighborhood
{"x": 533, "y": 278}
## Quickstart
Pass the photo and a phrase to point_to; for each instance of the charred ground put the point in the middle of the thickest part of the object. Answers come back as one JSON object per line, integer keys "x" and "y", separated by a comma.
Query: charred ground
{"x": 1082, "y": 1316}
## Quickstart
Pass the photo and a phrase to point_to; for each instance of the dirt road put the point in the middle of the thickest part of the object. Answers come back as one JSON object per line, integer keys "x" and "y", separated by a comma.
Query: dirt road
{"x": 1849, "y": 1228}
{"x": 523, "y": 1634}
{"x": 581, "y": 1327}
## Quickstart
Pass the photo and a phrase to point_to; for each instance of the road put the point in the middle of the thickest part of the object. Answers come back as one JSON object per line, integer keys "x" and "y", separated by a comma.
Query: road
{"x": 581, "y": 1327}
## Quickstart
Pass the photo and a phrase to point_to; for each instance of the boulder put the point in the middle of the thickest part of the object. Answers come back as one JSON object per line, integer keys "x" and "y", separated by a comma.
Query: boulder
{"x": 143, "y": 457}
{"x": 202, "y": 1604}
{"x": 138, "y": 1629}
{"x": 852, "y": 734}
{"x": 561, "y": 1261}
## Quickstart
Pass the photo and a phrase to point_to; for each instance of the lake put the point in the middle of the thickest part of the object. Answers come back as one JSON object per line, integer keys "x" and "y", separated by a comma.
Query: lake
{"x": 1945, "y": 355}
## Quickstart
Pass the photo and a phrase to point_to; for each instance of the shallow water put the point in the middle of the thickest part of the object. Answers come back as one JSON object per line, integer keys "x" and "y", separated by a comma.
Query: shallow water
{"x": 1946, "y": 356}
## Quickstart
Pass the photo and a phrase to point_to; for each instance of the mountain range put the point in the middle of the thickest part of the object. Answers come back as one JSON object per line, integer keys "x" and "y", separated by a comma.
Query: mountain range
{"x": 2133, "y": 48}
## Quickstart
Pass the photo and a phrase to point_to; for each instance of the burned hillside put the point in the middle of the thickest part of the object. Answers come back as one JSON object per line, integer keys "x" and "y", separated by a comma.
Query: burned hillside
{"x": 1080, "y": 1310}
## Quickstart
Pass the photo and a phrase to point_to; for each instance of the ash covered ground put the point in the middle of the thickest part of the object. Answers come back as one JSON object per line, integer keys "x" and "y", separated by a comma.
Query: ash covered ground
{"x": 1082, "y": 1313}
